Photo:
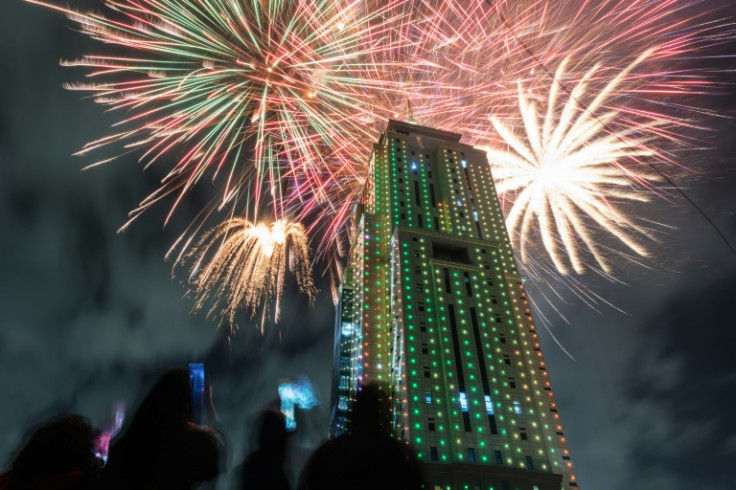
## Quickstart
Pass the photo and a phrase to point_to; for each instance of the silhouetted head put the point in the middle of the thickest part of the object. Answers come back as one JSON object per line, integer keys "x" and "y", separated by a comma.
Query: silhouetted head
{"x": 272, "y": 433}
{"x": 60, "y": 446}
{"x": 195, "y": 457}
{"x": 371, "y": 411}
{"x": 166, "y": 408}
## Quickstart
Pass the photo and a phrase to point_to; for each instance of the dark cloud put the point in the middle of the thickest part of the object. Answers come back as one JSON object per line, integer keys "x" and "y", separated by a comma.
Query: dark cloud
{"x": 684, "y": 372}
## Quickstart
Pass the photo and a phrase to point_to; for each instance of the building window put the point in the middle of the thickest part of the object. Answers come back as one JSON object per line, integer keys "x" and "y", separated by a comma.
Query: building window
{"x": 426, "y": 372}
{"x": 428, "y": 397}
{"x": 489, "y": 404}
{"x": 342, "y": 402}
{"x": 446, "y": 275}
{"x": 471, "y": 455}
{"x": 517, "y": 407}
{"x": 492, "y": 424}
{"x": 522, "y": 434}
{"x": 430, "y": 425}
{"x": 529, "y": 463}
{"x": 499, "y": 457}
{"x": 433, "y": 456}
{"x": 463, "y": 402}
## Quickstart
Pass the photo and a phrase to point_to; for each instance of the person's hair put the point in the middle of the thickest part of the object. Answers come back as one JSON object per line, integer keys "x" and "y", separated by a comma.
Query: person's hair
{"x": 166, "y": 408}
{"x": 272, "y": 433}
{"x": 59, "y": 446}
{"x": 372, "y": 410}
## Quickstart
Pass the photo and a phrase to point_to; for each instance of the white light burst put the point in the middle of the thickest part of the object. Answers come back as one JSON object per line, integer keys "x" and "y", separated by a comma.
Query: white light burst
{"x": 572, "y": 169}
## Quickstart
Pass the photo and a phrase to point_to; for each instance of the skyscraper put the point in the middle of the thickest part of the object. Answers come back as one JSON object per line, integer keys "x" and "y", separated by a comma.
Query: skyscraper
{"x": 432, "y": 304}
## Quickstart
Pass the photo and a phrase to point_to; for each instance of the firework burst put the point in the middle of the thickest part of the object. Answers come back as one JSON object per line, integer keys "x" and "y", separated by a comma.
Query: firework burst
{"x": 258, "y": 93}
{"x": 573, "y": 118}
{"x": 238, "y": 263}
{"x": 566, "y": 173}
{"x": 279, "y": 101}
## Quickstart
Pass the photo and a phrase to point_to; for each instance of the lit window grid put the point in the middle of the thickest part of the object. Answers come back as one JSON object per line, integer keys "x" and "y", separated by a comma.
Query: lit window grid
{"x": 416, "y": 394}
{"x": 505, "y": 269}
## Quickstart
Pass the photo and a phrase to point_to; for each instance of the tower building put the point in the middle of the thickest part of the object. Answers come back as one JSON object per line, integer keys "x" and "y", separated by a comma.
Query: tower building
{"x": 432, "y": 305}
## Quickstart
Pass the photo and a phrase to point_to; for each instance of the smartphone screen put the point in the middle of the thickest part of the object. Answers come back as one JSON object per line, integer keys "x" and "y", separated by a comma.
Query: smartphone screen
{"x": 196, "y": 384}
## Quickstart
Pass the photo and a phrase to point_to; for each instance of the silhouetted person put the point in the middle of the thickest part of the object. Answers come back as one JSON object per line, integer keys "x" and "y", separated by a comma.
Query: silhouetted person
{"x": 264, "y": 468}
{"x": 59, "y": 456}
{"x": 161, "y": 448}
{"x": 367, "y": 457}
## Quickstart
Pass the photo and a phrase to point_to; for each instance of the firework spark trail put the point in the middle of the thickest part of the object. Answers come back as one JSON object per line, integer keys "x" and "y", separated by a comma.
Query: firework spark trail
{"x": 244, "y": 90}
{"x": 576, "y": 101}
{"x": 500, "y": 45}
{"x": 650, "y": 112}
{"x": 280, "y": 100}
{"x": 239, "y": 264}
{"x": 565, "y": 172}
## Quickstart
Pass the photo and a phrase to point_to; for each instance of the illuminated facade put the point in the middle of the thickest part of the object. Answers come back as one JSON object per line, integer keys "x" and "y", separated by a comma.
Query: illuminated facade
{"x": 432, "y": 305}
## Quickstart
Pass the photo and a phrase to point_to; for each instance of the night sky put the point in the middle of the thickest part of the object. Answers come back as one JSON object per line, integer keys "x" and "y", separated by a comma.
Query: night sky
{"x": 89, "y": 316}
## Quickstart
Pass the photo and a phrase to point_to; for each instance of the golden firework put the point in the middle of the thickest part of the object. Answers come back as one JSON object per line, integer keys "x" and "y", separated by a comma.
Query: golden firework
{"x": 240, "y": 263}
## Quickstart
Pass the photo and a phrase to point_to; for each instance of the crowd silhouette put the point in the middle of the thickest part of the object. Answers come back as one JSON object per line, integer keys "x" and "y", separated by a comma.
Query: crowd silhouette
{"x": 366, "y": 457}
{"x": 265, "y": 468}
{"x": 161, "y": 448}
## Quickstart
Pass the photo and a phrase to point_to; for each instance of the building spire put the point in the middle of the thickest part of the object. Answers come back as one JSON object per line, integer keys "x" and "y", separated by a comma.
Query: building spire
{"x": 409, "y": 112}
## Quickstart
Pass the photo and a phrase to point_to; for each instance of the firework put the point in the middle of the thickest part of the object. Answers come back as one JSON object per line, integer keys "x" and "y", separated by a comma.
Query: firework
{"x": 278, "y": 102}
{"x": 238, "y": 263}
{"x": 566, "y": 173}
{"x": 575, "y": 121}
{"x": 255, "y": 93}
